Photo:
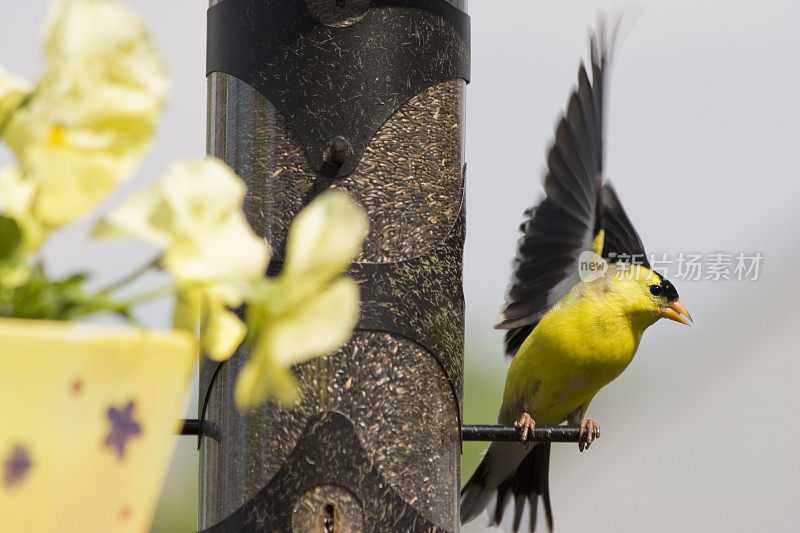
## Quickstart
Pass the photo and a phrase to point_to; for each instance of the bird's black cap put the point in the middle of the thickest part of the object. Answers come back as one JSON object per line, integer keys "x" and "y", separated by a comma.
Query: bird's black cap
{"x": 667, "y": 288}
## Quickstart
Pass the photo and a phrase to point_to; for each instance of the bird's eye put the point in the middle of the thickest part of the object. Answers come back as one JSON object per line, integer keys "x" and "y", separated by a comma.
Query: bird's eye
{"x": 656, "y": 290}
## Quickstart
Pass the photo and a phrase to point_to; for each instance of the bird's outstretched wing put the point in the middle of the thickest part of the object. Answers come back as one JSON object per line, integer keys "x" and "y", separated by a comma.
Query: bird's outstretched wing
{"x": 621, "y": 242}
{"x": 577, "y": 206}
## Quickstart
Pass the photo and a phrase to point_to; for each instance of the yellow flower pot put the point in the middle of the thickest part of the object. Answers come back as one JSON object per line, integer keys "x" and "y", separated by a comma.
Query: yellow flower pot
{"x": 87, "y": 421}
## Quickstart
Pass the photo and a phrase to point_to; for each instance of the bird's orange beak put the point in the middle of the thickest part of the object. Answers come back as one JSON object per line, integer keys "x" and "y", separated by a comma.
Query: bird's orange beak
{"x": 676, "y": 311}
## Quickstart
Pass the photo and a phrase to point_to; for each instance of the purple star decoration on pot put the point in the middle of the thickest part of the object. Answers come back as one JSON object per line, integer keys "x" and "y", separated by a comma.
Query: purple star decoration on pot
{"x": 16, "y": 466}
{"x": 123, "y": 428}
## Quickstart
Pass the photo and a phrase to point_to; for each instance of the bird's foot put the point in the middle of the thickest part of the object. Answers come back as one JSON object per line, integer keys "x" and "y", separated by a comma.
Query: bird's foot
{"x": 526, "y": 424}
{"x": 590, "y": 430}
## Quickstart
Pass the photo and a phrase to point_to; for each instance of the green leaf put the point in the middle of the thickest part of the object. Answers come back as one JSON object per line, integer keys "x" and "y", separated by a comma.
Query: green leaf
{"x": 10, "y": 237}
{"x": 42, "y": 298}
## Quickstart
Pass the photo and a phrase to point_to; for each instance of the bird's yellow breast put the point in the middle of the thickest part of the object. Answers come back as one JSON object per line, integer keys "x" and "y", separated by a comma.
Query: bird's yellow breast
{"x": 585, "y": 341}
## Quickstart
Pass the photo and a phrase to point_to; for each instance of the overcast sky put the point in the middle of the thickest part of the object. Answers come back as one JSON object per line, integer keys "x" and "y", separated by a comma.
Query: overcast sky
{"x": 701, "y": 432}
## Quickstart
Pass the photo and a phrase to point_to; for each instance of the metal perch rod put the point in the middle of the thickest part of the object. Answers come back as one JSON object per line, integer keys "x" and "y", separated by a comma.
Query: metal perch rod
{"x": 510, "y": 433}
{"x": 471, "y": 432}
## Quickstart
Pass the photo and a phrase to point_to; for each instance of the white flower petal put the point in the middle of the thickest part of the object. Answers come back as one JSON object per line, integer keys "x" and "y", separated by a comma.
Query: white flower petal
{"x": 324, "y": 239}
{"x": 228, "y": 251}
{"x": 259, "y": 379}
{"x": 13, "y": 91}
{"x": 195, "y": 215}
{"x": 314, "y": 327}
{"x": 222, "y": 334}
{"x": 144, "y": 215}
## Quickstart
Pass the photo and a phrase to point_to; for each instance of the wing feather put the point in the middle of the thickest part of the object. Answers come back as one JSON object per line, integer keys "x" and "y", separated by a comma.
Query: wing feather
{"x": 622, "y": 243}
{"x": 576, "y": 206}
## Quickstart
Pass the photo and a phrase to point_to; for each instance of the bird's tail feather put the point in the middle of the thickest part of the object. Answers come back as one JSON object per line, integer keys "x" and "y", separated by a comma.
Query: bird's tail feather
{"x": 509, "y": 469}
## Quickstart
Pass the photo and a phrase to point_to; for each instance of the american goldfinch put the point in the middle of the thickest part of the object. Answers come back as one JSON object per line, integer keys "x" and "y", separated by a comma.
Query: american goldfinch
{"x": 581, "y": 296}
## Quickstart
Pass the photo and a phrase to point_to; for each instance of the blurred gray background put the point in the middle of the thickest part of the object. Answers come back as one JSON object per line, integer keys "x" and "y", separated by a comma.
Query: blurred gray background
{"x": 701, "y": 432}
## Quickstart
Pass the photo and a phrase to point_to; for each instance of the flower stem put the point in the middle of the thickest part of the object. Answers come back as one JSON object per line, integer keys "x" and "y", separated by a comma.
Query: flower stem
{"x": 133, "y": 276}
{"x": 160, "y": 292}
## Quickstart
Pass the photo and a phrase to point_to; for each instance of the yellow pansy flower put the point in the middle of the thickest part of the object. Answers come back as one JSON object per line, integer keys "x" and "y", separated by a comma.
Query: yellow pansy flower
{"x": 92, "y": 114}
{"x": 311, "y": 308}
{"x": 195, "y": 215}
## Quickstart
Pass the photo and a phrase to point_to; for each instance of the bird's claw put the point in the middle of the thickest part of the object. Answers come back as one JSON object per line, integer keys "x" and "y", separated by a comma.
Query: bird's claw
{"x": 591, "y": 430}
{"x": 526, "y": 424}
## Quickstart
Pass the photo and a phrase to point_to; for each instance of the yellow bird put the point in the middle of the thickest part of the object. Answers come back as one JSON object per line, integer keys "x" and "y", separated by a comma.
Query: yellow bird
{"x": 581, "y": 296}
